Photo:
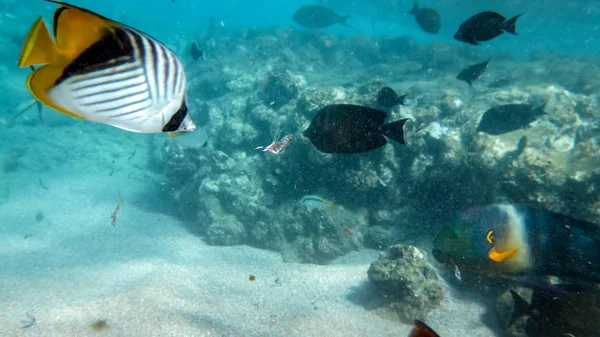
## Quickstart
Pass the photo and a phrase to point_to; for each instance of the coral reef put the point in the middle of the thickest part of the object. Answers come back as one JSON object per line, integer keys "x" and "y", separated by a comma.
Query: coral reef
{"x": 398, "y": 193}
{"x": 407, "y": 284}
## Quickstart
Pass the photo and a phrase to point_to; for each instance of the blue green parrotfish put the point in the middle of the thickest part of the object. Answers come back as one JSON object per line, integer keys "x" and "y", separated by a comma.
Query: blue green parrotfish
{"x": 514, "y": 239}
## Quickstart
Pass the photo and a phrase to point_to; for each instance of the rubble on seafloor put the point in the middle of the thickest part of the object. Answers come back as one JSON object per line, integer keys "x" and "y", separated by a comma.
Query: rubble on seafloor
{"x": 238, "y": 195}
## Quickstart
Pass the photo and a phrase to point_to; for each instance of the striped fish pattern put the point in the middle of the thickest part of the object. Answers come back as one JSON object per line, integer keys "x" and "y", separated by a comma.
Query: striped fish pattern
{"x": 128, "y": 80}
{"x": 97, "y": 69}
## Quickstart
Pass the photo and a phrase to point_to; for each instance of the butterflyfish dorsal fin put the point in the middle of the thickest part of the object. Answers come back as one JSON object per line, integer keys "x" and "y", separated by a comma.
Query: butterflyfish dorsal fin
{"x": 39, "y": 48}
{"x": 70, "y": 38}
{"x": 40, "y": 80}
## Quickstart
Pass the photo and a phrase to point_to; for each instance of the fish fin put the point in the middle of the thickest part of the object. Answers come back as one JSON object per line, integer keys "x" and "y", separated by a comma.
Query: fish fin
{"x": 539, "y": 110}
{"x": 395, "y": 130}
{"x": 414, "y": 10}
{"x": 400, "y": 99}
{"x": 70, "y": 38}
{"x": 422, "y": 330}
{"x": 501, "y": 256}
{"x": 510, "y": 25}
{"x": 173, "y": 134}
{"x": 521, "y": 307}
{"x": 469, "y": 82}
{"x": 39, "y": 47}
{"x": 343, "y": 19}
{"x": 42, "y": 79}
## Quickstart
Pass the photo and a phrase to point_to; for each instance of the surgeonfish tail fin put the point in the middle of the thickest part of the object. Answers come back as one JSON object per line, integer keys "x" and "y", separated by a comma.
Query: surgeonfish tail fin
{"x": 414, "y": 10}
{"x": 539, "y": 110}
{"x": 39, "y": 47}
{"x": 510, "y": 25}
{"x": 521, "y": 307}
{"x": 422, "y": 330}
{"x": 400, "y": 99}
{"x": 343, "y": 19}
{"x": 395, "y": 130}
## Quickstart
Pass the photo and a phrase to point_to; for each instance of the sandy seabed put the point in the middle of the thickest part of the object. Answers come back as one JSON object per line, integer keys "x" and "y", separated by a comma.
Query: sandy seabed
{"x": 151, "y": 276}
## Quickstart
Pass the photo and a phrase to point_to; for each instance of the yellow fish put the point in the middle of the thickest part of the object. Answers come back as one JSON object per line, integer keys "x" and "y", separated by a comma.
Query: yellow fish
{"x": 103, "y": 71}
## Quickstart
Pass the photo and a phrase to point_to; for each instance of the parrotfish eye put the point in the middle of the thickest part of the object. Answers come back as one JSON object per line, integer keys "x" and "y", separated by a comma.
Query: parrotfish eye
{"x": 490, "y": 236}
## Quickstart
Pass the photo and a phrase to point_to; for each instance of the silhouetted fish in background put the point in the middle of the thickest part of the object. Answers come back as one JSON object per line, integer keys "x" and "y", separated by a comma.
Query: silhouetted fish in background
{"x": 485, "y": 26}
{"x": 509, "y": 117}
{"x": 387, "y": 97}
{"x": 471, "y": 73}
{"x": 347, "y": 128}
{"x": 422, "y": 330}
{"x": 316, "y": 17}
{"x": 428, "y": 19}
{"x": 196, "y": 52}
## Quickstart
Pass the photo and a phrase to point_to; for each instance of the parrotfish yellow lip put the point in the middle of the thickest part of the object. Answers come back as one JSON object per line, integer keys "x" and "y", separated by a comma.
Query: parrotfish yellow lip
{"x": 501, "y": 256}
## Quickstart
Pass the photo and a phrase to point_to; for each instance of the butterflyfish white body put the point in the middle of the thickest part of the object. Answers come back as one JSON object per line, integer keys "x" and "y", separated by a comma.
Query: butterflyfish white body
{"x": 106, "y": 72}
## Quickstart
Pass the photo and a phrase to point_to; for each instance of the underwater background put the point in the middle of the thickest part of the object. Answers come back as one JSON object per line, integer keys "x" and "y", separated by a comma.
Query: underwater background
{"x": 105, "y": 232}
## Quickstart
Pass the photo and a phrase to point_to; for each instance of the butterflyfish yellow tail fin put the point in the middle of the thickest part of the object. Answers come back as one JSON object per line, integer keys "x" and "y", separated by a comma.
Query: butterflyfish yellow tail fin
{"x": 39, "y": 48}
{"x": 71, "y": 39}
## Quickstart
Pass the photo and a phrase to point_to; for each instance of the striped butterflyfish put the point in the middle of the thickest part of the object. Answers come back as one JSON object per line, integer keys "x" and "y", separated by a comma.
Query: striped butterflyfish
{"x": 103, "y": 71}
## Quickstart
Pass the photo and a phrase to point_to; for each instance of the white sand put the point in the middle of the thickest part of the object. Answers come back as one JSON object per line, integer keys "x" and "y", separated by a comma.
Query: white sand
{"x": 149, "y": 276}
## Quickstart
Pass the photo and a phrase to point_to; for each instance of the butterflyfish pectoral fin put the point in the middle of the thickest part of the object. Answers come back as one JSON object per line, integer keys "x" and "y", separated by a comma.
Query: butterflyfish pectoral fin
{"x": 501, "y": 256}
{"x": 69, "y": 22}
{"x": 38, "y": 48}
{"x": 173, "y": 134}
{"x": 40, "y": 80}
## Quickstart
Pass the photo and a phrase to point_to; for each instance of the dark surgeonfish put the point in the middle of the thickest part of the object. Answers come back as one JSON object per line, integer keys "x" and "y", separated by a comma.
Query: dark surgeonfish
{"x": 514, "y": 239}
{"x": 197, "y": 53}
{"x": 509, "y": 117}
{"x": 103, "y": 71}
{"x": 347, "y": 128}
{"x": 387, "y": 97}
{"x": 316, "y": 17}
{"x": 471, "y": 73}
{"x": 428, "y": 19}
{"x": 572, "y": 311}
{"x": 421, "y": 329}
{"x": 485, "y": 26}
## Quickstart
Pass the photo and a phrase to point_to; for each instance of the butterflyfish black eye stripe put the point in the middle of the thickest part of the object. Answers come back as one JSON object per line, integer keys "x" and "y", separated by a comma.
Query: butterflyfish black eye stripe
{"x": 175, "y": 122}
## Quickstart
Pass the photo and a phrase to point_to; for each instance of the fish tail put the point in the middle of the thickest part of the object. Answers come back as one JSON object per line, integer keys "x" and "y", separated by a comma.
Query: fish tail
{"x": 539, "y": 110}
{"x": 510, "y": 25}
{"x": 414, "y": 10}
{"x": 343, "y": 19}
{"x": 400, "y": 99}
{"x": 39, "y": 47}
{"x": 395, "y": 130}
{"x": 521, "y": 307}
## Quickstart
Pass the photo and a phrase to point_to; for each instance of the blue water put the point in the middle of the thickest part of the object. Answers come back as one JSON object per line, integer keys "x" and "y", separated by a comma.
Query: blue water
{"x": 215, "y": 239}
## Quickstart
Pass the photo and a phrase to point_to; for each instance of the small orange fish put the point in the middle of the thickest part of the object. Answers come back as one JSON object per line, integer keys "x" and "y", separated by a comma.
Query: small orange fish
{"x": 252, "y": 278}
{"x": 422, "y": 330}
{"x": 349, "y": 232}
